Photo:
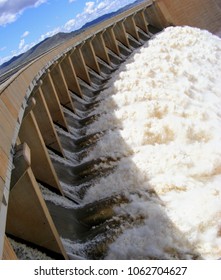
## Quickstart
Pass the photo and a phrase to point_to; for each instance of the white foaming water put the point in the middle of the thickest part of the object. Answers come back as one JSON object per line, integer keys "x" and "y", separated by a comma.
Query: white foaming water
{"x": 24, "y": 252}
{"x": 56, "y": 199}
{"x": 72, "y": 191}
{"x": 75, "y": 248}
{"x": 162, "y": 113}
{"x": 65, "y": 161}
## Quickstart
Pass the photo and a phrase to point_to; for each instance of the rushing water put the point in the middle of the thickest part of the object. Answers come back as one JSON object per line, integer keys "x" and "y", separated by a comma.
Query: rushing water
{"x": 154, "y": 150}
{"x": 25, "y": 252}
{"x": 161, "y": 114}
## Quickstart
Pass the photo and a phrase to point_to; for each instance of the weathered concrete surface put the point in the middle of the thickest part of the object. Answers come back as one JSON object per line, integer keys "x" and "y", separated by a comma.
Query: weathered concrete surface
{"x": 29, "y": 218}
{"x": 40, "y": 163}
{"x": 205, "y": 14}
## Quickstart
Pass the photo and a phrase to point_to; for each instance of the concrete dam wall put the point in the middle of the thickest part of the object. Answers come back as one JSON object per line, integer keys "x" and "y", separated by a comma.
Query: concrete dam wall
{"x": 45, "y": 110}
{"x": 202, "y": 14}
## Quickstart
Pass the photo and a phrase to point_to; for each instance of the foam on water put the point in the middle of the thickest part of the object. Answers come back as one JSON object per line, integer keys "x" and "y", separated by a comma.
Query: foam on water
{"x": 57, "y": 199}
{"x": 76, "y": 248}
{"x": 24, "y": 252}
{"x": 69, "y": 162}
{"x": 73, "y": 191}
{"x": 162, "y": 117}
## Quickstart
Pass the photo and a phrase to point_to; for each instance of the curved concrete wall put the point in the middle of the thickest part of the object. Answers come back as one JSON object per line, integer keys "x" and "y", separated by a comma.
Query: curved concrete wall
{"x": 205, "y": 14}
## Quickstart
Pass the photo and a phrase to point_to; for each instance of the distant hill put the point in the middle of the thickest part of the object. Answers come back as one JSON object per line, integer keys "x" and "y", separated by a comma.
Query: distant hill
{"x": 109, "y": 15}
{"x": 37, "y": 50}
{"x": 54, "y": 41}
{"x": 98, "y": 20}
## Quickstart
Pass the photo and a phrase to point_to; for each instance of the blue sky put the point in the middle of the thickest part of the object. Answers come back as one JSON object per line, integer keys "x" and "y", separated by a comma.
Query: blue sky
{"x": 24, "y": 23}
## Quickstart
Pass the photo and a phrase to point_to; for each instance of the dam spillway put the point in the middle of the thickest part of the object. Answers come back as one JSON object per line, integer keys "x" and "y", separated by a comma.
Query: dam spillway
{"x": 45, "y": 141}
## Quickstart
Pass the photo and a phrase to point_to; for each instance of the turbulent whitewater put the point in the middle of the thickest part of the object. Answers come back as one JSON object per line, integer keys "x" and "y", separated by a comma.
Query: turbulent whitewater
{"x": 161, "y": 117}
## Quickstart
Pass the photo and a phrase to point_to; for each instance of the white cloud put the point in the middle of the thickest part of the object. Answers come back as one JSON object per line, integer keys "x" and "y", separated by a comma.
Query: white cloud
{"x": 49, "y": 33}
{"x": 101, "y": 5}
{"x": 2, "y": 2}
{"x": 21, "y": 44}
{"x": 70, "y": 25}
{"x": 25, "y": 34}
{"x": 27, "y": 47}
{"x": 39, "y": 2}
{"x": 93, "y": 10}
{"x": 22, "y": 47}
{"x": 89, "y": 9}
{"x": 4, "y": 59}
{"x": 7, "y": 18}
{"x": 10, "y": 10}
